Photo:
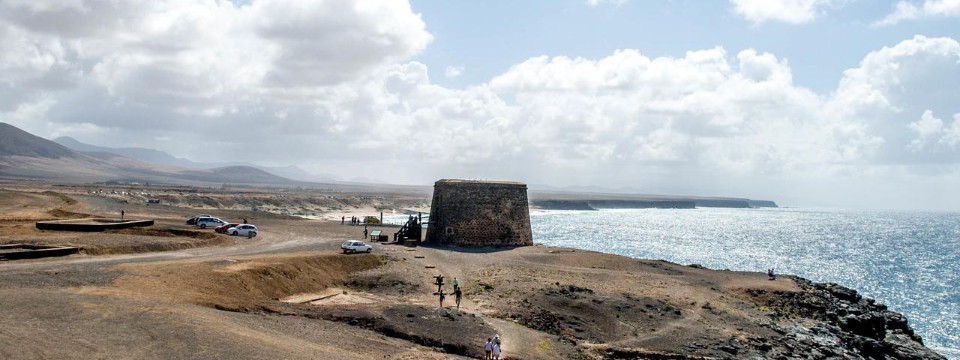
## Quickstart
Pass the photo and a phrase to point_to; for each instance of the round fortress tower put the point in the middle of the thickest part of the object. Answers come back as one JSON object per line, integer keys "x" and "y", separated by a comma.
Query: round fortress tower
{"x": 479, "y": 213}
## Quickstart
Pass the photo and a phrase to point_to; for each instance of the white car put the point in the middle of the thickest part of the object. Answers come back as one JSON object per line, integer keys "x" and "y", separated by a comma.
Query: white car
{"x": 352, "y": 246}
{"x": 193, "y": 220}
{"x": 243, "y": 230}
{"x": 212, "y": 222}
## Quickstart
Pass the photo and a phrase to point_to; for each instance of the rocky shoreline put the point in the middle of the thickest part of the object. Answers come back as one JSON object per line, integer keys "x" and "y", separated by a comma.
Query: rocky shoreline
{"x": 821, "y": 321}
{"x": 727, "y": 317}
{"x": 827, "y": 320}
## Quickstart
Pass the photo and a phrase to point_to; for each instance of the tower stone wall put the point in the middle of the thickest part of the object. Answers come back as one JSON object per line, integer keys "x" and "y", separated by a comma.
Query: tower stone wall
{"x": 479, "y": 213}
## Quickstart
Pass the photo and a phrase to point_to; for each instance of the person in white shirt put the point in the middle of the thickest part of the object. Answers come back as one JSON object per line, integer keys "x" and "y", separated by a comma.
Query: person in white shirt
{"x": 496, "y": 351}
{"x": 488, "y": 349}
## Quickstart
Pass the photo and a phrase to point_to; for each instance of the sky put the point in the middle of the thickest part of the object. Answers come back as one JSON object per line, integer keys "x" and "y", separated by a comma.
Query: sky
{"x": 840, "y": 103}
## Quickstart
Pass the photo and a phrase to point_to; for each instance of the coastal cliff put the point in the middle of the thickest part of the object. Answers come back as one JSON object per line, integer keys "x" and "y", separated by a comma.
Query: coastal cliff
{"x": 611, "y": 204}
{"x": 596, "y": 204}
{"x": 828, "y": 320}
{"x": 562, "y": 303}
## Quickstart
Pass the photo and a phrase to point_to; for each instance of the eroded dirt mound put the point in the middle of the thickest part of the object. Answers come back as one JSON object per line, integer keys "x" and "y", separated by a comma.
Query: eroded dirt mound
{"x": 150, "y": 241}
{"x": 65, "y": 214}
{"x": 29, "y": 206}
{"x": 206, "y": 235}
{"x": 452, "y": 331}
{"x": 64, "y": 198}
{"x": 241, "y": 284}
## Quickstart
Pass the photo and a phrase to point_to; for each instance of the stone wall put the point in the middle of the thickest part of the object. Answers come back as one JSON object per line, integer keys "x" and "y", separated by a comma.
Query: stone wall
{"x": 479, "y": 213}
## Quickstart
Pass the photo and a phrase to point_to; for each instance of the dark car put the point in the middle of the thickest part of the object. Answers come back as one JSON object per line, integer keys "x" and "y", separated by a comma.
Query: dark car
{"x": 223, "y": 228}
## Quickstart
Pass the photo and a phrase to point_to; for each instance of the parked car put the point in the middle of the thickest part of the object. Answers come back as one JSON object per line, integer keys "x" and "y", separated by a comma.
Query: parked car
{"x": 193, "y": 220}
{"x": 206, "y": 222}
{"x": 352, "y": 246}
{"x": 243, "y": 230}
{"x": 223, "y": 228}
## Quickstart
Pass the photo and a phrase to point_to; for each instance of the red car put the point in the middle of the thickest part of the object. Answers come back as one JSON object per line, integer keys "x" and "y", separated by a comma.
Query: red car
{"x": 223, "y": 229}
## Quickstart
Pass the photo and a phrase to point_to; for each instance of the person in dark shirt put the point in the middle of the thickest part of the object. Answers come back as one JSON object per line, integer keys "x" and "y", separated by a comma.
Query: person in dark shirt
{"x": 458, "y": 296}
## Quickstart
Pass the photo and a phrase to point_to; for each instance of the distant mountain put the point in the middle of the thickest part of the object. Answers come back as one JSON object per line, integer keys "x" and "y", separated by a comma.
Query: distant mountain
{"x": 16, "y": 142}
{"x": 235, "y": 174}
{"x": 161, "y": 157}
{"x": 143, "y": 154}
{"x": 24, "y": 155}
{"x": 296, "y": 173}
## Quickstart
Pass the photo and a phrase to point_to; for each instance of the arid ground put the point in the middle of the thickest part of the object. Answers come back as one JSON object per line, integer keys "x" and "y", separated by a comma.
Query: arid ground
{"x": 173, "y": 291}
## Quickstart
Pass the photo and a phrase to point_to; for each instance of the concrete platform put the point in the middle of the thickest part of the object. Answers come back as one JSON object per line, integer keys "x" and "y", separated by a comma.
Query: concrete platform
{"x": 24, "y": 251}
{"x": 93, "y": 224}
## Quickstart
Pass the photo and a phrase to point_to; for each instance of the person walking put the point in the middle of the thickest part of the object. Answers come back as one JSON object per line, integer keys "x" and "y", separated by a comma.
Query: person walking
{"x": 439, "y": 283}
{"x": 364, "y": 232}
{"x": 442, "y": 297}
{"x": 458, "y": 296}
{"x": 456, "y": 283}
{"x": 496, "y": 351}
{"x": 343, "y": 219}
{"x": 121, "y": 214}
{"x": 488, "y": 349}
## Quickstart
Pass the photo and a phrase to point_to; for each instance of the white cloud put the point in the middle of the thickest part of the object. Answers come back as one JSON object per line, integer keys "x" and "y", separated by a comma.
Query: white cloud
{"x": 788, "y": 11}
{"x": 205, "y": 57}
{"x": 453, "y": 71}
{"x": 907, "y": 78}
{"x": 331, "y": 85}
{"x": 932, "y": 132}
{"x": 906, "y": 10}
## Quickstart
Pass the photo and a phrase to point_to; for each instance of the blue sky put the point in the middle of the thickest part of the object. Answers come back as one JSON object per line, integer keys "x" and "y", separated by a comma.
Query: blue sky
{"x": 487, "y": 37}
{"x": 807, "y": 102}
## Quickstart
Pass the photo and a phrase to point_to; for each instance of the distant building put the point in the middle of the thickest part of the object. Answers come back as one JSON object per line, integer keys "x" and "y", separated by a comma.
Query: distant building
{"x": 479, "y": 213}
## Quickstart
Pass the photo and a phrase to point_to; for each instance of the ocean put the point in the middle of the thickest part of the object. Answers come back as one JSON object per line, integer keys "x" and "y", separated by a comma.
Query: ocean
{"x": 909, "y": 261}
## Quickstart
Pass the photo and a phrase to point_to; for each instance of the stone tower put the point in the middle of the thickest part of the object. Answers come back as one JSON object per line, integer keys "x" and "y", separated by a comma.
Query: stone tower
{"x": 479, "y": 213}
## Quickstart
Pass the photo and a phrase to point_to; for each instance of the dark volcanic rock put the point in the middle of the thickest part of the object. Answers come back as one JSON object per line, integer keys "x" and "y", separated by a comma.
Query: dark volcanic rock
{"x": 578, "y": 313}
{"x": 447, "y": 330}
{"x": 849, "y": 326}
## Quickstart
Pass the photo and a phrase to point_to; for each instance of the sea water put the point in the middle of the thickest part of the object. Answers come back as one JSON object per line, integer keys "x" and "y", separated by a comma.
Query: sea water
{"x": 909, "y": 261}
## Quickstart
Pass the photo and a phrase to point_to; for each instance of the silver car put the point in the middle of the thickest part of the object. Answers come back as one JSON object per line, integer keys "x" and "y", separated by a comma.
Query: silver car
{"x": 353, "y": 246}
{"x": 212, "y": 222}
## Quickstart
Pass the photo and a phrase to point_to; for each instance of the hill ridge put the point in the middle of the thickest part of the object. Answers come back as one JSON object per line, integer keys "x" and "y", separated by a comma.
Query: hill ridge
{"x": 17, "y": 142}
